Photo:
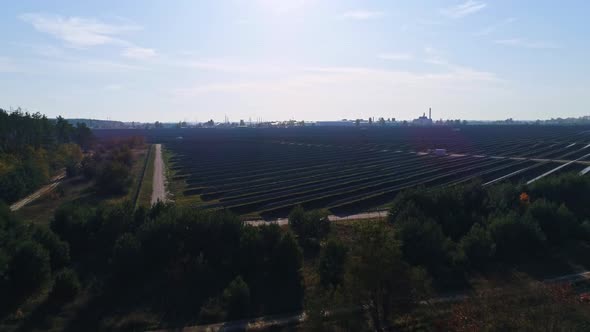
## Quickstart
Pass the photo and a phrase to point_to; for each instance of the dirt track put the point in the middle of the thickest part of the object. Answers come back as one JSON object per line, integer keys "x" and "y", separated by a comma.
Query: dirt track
{"x": 359, "y": 216}
{"x": 55, "y": 181}
{"x": 159, "y": 185}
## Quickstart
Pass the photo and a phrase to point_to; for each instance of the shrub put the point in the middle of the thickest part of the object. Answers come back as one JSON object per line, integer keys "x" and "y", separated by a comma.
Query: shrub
{"x": 516, "y": 237}
{"x": 59, "y": 251}
{"x": 557, "y": 222}
{"x": 236, "y": 299}
{"x": 29, "y": 268}
{"x": 126, "y": 256}
{"x": 113, "y": 178}
{"x": 66, "y": 286}
{"x": 478, "y": 246}
{"x": 332, "y": 263}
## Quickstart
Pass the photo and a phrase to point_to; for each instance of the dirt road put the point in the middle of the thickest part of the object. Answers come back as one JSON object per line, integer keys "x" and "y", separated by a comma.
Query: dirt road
{"x": 159, "y": 183}
{"x": 55, "y": 181}
{"x": 359, "y": 216}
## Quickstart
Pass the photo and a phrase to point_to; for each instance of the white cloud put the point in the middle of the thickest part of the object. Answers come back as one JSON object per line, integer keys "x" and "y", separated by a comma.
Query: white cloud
{"x": 467, "y": 8}
{"x": 494, "y": 27}
{"x": 362, "y": 14}
{"x": 90, "y": 65}
{"x": 395, "y": 56}
{"x": 77, "y": 31}
{"x": 517, "y": 42}
{"x": 139, "y": 53}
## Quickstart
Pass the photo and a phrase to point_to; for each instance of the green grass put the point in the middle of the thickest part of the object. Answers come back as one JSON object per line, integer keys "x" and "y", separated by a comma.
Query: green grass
{"x": 176, "y": 188}
{"x": 77, "y": 190}
{"x": 145, "y": 192}
{"x": 40, "y": 211}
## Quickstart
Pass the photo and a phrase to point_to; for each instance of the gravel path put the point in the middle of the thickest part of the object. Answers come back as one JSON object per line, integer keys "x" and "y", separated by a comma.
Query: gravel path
{"x": 159, "y": 185}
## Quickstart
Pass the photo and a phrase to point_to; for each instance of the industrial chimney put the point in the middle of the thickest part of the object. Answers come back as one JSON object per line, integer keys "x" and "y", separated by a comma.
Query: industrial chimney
{"x": 430, "y": 113}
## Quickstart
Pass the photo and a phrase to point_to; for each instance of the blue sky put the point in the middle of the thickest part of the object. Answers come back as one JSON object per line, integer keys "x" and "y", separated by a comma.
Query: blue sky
{"x": 295, "y": 59}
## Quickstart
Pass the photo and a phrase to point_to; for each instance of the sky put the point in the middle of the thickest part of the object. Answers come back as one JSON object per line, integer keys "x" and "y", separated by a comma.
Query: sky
{"x": 190, "y": 60}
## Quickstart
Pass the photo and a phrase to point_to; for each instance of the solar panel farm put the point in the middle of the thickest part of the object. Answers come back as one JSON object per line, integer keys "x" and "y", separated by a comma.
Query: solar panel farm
{"x": 268, "y": 171}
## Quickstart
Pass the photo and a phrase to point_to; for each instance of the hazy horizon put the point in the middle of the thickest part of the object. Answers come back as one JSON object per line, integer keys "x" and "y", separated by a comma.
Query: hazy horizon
{"x": 295, "y": 59}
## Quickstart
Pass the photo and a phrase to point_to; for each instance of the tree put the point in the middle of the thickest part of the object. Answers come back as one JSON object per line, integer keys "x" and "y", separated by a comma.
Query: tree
{"x": 29, "y": 269}
{"x": 83, "y": 136}
{"x": 68, "y": 155}
{"x": 557, "y": 222}
{"x": 113, "y": 178}
{"x": 332, "y": 263}
{"x": 31, "y": 149}
{"x": 70, "y": 224}
{"x": 478, "y": 246}
{"x": 377, "y": 277}
{"x": 297, "y": 219}
{"x": 236, "y": 299}
{"x": 59, "y": 251}
{"x": 66, "y": 286}
{"x": 285, "y": 272}
{"x": 310, "y": 227}
{"x": 424, "y": 243}
{"x": 127, "y": 259}
{"x": 63, "y": 130}
{"x": 515, "y": 237}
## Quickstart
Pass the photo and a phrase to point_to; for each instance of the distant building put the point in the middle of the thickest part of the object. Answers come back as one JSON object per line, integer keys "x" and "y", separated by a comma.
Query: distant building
{"x": 343, "y": 123}
{"x": 423, "y": 120}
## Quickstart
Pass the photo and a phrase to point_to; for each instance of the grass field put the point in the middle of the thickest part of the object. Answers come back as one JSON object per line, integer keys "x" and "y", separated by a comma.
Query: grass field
{"x": 145, "y": 191}
{"x": 177, "y": 185}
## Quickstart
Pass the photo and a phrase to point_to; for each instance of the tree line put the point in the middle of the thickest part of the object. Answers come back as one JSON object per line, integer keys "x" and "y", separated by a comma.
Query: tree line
{"x": 192, "y": 266}
{"x": 33, "y": 148}
{"x": 207, "y": 265}
{"x": 438, "y": 240}
{"x": 110, "y": 165}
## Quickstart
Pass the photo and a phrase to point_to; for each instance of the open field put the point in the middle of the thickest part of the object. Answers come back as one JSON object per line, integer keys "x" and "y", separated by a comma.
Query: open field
{"x": 267, "y": 172}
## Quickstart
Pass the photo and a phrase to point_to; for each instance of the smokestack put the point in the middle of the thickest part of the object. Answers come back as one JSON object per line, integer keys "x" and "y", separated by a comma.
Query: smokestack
{"x": 430, "y": 113}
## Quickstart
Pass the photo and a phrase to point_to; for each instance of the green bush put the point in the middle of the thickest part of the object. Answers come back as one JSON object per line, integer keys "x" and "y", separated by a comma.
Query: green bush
{"x": 236, "y": 299}
{"x": 127, "y": 257}
{"x": 310, "y": 227}
{"x": 29, "y": 268}
{"x": 332, "y": 263}
{"x": 477, "y": 246}
{"x": 59, "y": 251}
{"x": 516, "y": 238}
{"x": 557, "y": 222}
{"x": 66, "y": 286}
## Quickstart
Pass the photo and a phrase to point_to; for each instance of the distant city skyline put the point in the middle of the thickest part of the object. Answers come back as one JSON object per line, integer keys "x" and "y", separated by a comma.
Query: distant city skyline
{"x": 307, "y": 60}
